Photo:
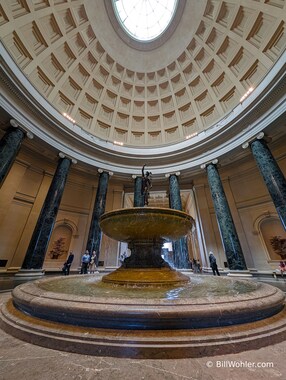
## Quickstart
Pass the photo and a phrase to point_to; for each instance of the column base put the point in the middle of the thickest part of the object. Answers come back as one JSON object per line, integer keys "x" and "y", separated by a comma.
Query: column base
{"x": 240, "y": 273}
{"x": 30, "y": 274}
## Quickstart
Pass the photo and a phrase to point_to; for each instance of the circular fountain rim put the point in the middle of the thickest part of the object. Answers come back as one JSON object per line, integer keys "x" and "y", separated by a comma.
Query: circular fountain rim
{"x": 127, "y": 313}
{"x": 169, "y": 343}
{"x": 145, "y": 210}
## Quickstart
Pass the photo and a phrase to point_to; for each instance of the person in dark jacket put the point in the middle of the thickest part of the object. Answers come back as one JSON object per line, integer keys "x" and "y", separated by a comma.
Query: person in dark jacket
{"x": 213, "y": 264}
{"x": 67, "y": 264}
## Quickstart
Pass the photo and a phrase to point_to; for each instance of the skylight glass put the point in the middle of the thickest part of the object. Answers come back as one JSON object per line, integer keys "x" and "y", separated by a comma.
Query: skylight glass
{"x": 145, "y": 20}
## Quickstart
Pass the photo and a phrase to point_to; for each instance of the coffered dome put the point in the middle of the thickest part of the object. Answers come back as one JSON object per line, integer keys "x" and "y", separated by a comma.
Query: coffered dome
{"x": 194, "y": 76}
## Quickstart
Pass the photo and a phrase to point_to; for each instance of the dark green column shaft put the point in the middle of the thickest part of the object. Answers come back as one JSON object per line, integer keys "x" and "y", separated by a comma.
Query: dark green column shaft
{"x": 94, "y": 236}
{"x": 233, "y": 251}
{"x": 138, "y": 196}
{"x": 9, "y": 147}
{"x": 181, "y": 255}
{"x": 272, "y": 175}
{"x": 35, "y": 255}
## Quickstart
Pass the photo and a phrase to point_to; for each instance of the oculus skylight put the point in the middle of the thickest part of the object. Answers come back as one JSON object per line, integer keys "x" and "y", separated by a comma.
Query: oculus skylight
{"x": 145, "y": 20}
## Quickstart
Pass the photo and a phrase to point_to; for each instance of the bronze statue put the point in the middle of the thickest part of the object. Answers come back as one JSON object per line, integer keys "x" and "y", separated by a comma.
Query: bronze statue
{"x": 146, "y": 185}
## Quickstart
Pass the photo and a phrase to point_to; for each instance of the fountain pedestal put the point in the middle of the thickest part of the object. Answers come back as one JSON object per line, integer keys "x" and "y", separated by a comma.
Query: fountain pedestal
{"x": 145, "y": 229}
{"x": 146, "y": 277}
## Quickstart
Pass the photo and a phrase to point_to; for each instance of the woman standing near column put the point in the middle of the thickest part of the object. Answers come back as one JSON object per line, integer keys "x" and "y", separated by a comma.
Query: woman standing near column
{"x": 92, "y": 263}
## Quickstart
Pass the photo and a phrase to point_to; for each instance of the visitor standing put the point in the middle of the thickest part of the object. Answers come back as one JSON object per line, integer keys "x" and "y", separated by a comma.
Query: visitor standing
{"x": 194, "y": 266}
{"x": 92, "y": 263}
{"x": 213, "y": 264}
{"x": 67, "y": 264}
{"x": 199, "y": 266}
{"x": 85, "y": 262}
{"x": 282, "y": 268}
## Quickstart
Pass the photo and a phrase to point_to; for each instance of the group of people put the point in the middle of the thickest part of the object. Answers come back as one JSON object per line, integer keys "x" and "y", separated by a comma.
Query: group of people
{"x": 88, "y": 262}
{"x": 196, "y": 265}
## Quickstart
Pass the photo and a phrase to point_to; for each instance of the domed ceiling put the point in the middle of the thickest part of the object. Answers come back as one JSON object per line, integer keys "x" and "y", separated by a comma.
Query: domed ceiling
{"x": 71, "y": 53}
{"x": 136, "y": 94}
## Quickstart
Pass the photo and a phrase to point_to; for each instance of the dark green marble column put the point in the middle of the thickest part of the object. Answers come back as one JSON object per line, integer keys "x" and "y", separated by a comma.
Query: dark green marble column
{"x": 232, "y": 247}
{"x": 9, "y": 147}
{"x": 174, "y": 193}
{"x": 138, "y": 196}
{"x": 94, "y": 236}
{"x": 181, "y": 255}
{"x": 272, "y": 175}
{"x": 35, "y": 255}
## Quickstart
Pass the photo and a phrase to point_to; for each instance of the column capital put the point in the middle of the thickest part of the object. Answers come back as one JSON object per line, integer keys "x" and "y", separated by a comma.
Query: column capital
{"x": 169, "y": 174}
{"x": 63, "y": 155}
{"x": 30, "y": 135}
{"x": 106, "y": 171}
{"x": 260, "y": 136}
{"x": 214, "y": 162}
{"x": 15, "y": 124}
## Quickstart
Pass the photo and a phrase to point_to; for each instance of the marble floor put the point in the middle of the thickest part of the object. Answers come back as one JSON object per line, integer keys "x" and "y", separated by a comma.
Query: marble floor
{"x": 20, "y": 361}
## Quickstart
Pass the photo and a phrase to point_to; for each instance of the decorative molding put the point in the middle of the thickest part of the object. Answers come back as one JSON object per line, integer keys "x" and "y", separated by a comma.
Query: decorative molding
{"x": 67, "y": 222}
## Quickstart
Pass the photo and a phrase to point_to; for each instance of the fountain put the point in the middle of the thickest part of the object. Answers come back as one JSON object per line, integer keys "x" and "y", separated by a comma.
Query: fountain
{"x": 145, "y": 230}
{"x": 146, "y": 309}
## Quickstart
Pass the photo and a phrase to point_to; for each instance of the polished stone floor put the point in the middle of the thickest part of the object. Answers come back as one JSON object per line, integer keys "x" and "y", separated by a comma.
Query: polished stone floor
{"x": 20, "y": 361}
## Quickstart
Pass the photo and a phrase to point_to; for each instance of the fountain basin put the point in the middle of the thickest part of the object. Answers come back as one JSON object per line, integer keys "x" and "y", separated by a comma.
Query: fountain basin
{"x": 146, "y": 224}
